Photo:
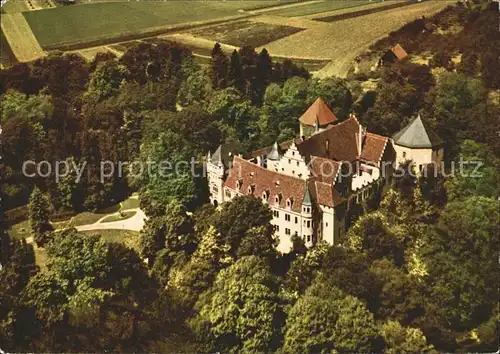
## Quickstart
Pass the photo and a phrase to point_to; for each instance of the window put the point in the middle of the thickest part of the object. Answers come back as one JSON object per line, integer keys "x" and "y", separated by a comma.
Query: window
{"x": 215, "y": 189}
{"x": 326, "y": 224}
{"x": 404, "y": 154}
{"x": 228, "y": 194}
{"x": 297, "y": 163}
{"x": 293, "y": 153}
{"x": 277, "y": 228}
{"x": 296, "y": 220}
{"x": 287, "y": 217}
{"x": 276, "y": 214}
{"x": 289, "y": 161}
{"x": 308, "y": 223}
{"x": 287, "y": 231}
{"x": 308, "y": 238}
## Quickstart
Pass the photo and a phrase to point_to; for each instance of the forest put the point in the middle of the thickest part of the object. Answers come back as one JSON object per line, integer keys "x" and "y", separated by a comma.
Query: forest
{"x": 416, "y": 272}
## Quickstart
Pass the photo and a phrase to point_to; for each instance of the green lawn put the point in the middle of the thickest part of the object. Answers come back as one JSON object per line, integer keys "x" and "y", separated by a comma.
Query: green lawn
{"x": 128, "y": 238}
{"x": 327, "y": 5}
{"x": 85, "y": 218}
{"x": 118, "y": 217}
{"x": 20, "y": 230}
{"x": 130, "y": 203}
{"x": 90, "y": 23}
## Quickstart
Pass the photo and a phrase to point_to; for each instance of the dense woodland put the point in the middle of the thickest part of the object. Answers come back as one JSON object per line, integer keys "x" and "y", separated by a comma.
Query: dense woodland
{"x": 417, "y": 271}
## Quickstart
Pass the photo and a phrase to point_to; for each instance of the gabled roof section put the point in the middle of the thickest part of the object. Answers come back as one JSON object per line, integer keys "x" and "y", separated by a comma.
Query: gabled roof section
{"x": 338, "y": 142}
{"x": 417, "y": 135}
{"x": 373, "y": 148}
{"x": 399, "y": 52}
{"x": 324, "y": 170}
{"x": 318, "y": 112}
{"x": 262, "y": 180}
{"x": 327, "y": 195}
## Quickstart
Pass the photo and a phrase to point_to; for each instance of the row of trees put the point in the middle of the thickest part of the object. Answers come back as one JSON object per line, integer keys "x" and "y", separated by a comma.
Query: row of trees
{"x": 62, "y": 108}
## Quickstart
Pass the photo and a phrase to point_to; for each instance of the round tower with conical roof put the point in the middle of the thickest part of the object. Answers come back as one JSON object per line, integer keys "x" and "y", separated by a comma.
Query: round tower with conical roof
{"x": 416, "y": 142}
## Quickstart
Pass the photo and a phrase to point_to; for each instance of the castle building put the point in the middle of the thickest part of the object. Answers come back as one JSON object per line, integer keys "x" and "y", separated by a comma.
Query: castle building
{"x": 312, "y": 182}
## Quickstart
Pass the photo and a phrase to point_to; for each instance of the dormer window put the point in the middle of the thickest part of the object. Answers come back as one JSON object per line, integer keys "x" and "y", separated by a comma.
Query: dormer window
{"x": 277, "y": 198}
{"x": 265, "y": 196}
{"x": 238, "y": 184}
{"x": 289, "y": 202}
{"x": 251, "y": 189}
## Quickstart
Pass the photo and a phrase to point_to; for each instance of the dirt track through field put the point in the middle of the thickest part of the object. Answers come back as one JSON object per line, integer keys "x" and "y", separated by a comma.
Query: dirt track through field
{"x": 20, "y": 37}
{"x": 197, "y": 42}
{"x": 268, "y": 9}
{"x": 344, "y": 40}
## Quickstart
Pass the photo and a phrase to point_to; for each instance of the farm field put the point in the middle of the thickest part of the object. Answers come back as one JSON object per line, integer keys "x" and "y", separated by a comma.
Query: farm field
{"x": 343, "y": 41}
{"x": 361, "y": 11}
{"x": 245, "y": 33}
{"x": 14, "y": 6}
{"x": 20, "y": 37}
{"x": 7, "y": 58}
{"x": 64, "y": 26}
{"x": 318, "y": 7}
{"x": 356, "y": 9}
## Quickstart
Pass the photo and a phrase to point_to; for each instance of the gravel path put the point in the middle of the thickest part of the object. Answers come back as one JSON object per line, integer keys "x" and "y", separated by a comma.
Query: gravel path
{"x": 135, "y": 223}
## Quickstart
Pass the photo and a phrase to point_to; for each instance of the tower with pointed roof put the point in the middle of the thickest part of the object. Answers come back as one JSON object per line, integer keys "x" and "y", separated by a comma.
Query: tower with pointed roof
{"x": 273, "y": 158}
{"x": 318, "y": 116}
{"x": 217, "y": 165}
{"x": 418, "y": 143}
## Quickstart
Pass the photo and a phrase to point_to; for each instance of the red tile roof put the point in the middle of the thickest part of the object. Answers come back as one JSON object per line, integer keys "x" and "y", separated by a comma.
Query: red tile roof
{"x": 339, "y": 142}
{"x": 399, "y": 52}
{"x": 264, "y": 180}
{"x": 324, "y": 170}
{"x": 327, "y": 195}
{"x": 373, "y": 148}
{"x": 320, "y": 111}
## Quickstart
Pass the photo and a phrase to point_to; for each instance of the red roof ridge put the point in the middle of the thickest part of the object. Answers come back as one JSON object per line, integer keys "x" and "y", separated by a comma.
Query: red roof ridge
{"x": 377, "y": 136}
{"x": 267, "y": 170}
{"x": 339, "y": 124}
